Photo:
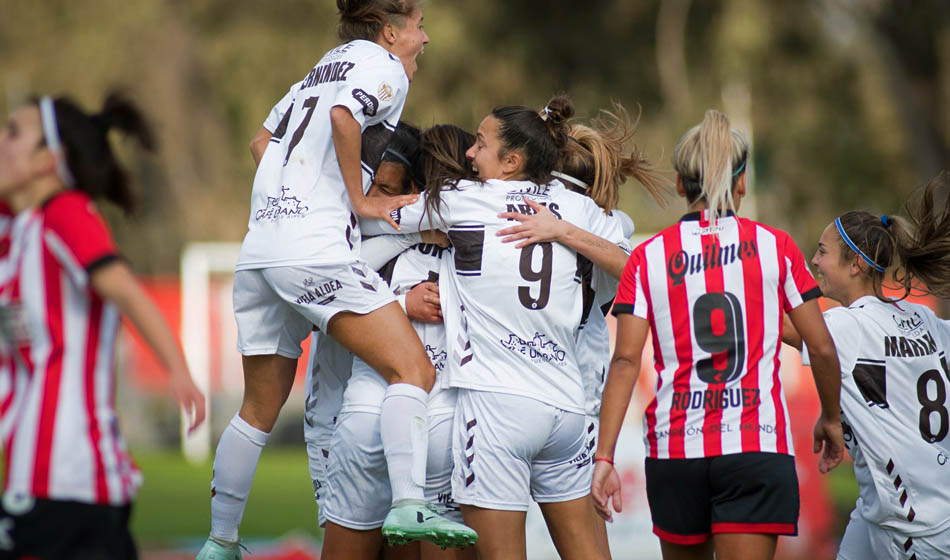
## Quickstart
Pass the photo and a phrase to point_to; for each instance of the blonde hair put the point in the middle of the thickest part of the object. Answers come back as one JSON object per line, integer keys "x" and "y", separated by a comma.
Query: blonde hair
{"x": 596, "y": 157}
{"x": 709, "y": 159}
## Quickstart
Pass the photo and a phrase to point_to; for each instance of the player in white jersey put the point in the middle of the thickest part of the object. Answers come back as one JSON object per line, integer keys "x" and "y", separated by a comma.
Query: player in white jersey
{"x": 895, "y": 378}
{"x": 595, "y": 163}
{"x": 712, "y": 290}
{"x": 70, "y": 480}
{"x": 511, "y": 320}
{"x": 299, "y": 264}
{"x": 358, "y": 492}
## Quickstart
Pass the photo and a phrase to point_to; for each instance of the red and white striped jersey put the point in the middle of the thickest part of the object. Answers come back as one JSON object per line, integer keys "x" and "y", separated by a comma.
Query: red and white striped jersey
{"x": 714, "y": 295}
{"x": 64, "y": 443}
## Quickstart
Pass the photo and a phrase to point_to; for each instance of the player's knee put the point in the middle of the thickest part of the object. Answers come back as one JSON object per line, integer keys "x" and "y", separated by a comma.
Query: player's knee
{"x": 259, "y": 415}
{"x": 422, "y": 375}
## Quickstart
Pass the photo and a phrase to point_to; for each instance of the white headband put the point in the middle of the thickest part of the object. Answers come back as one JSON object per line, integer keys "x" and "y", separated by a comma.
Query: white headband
{"x": 51, "y": 133}
{"x": 569, "y": 179}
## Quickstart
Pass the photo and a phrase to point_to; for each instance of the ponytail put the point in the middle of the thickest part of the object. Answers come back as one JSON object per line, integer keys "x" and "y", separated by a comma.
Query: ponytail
{"x": 89, "y": 157}
{"x": 709, "y": 159}
{"x": 917, "y": 246}
{"x": 364, "y": 19}
{"x": 444, "y": 163}
{"x": 596, "y": 157}
{"x": 539, "y": 138}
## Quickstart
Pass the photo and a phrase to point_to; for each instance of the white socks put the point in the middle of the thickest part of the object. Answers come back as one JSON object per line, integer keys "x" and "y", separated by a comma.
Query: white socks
{"x": 235, "y": 461}
{"x": 405, "y": 433}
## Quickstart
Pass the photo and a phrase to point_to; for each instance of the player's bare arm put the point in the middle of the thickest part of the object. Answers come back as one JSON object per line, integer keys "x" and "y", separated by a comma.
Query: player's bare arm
{"x": 829, "y": 439}
{"x": 116, "y": 283}
{"x": 545, "y": 226}
{"x": 259, "y": 144}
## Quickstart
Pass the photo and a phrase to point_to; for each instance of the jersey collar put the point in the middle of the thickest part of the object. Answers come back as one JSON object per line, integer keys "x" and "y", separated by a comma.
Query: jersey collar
{"x": 698, "y": 215}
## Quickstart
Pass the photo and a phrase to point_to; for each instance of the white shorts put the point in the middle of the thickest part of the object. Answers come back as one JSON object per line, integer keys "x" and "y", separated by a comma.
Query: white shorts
{"x": 863, "y": 540}
{"x": 511, "y": 449}
{"x": 277, "y": 308}
{"x": 359, "y": 494}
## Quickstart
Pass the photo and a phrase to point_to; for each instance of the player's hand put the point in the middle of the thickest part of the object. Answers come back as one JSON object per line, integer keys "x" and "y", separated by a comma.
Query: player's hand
{"x": 384, "y": 207}
{"x": 606, "y": 491}
{"x": 189, "y": 397}
{"x": 435, "y": 237}
{"x": 423, "y": 304}
{"x": 535, "y": 228}
{"x": 829, "y": 441}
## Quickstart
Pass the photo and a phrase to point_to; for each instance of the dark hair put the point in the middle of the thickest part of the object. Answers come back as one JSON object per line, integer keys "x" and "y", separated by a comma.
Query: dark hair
{"x": 404, "y": 149}
{"x": 364, "y": 19}
{"x": 595, "y": 156}
{"x": 443, "y": 162}
{"x": 88, "y": 153}
{"x": 538, "y": 138}
{"x": 918, "y": 245}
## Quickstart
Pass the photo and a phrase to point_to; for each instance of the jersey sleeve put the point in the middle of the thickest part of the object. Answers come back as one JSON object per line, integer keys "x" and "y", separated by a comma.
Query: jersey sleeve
{"x": 631, "y": 297}
{"x": 800, "y": 285}
{"x": 846, "y": 334}
{"x": 604, "y": 285}
{"x": 77, "y": 236}
{"x": 412, "y": 219}
{"x": 279, "y": 111}
{"x": 374, "y": 91}
{"x": 379, "y": 250}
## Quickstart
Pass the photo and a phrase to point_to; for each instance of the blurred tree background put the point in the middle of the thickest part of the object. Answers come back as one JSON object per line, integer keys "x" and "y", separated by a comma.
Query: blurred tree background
{"x": 847, "y": 101}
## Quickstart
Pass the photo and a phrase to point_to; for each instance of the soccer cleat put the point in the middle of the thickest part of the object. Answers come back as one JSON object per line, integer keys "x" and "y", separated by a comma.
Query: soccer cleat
{"x": 219, "y": 550}
{"x": 415, "y": 520}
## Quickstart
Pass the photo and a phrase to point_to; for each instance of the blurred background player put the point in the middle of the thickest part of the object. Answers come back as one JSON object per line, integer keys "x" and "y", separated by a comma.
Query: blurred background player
{"x": 70, "y": 482}
{"x": 712, "y": 290}
{"x": 299, "y": 266}
{"x": 894, "y": 373}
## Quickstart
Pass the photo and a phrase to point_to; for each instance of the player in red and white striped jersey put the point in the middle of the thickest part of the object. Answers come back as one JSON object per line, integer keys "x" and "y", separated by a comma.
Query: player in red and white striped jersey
{"x": 712, "y": 291}
{"x": 69, "y": 479}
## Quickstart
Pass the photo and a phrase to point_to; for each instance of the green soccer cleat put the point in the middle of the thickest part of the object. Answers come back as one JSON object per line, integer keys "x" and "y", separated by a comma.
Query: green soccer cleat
{"x": 415, "y": 520}
{"x": 219, "y": 550}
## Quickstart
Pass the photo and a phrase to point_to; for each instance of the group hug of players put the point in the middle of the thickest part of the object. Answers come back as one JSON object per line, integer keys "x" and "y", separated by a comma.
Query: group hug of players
{"x": 456, "y": 288}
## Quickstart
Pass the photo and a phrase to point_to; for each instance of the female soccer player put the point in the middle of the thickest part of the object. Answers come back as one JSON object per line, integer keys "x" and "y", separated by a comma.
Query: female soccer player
{"x": 712, "y": 290}
{"x": 70, "y": 481}
{"x": 511, "y": 316}
{"x": 299, "y": 265}
{"x": 358, "y": 494}
{"x": 894, "y": 374}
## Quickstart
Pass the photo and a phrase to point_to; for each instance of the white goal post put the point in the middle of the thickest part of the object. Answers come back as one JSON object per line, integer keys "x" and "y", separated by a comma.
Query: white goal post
{"x": 198, "y": 262}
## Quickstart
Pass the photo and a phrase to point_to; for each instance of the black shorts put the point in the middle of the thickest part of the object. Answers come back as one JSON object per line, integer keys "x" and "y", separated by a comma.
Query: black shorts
{"x": 54, "y": 530}
{"x": 742, "y": 493}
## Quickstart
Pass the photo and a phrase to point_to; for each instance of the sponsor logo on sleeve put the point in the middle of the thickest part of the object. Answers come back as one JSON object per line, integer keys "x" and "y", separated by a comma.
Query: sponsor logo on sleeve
{"x": 370, "y": 104}
{"x": 385, "y": 92}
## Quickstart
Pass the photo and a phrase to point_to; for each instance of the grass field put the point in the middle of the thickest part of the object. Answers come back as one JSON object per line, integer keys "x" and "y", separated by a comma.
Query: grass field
{"x": 174, "y": 504}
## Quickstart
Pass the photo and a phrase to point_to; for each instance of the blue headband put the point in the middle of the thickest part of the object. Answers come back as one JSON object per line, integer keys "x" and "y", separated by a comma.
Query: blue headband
{"x": 398, "y": 156}
{"x": 885, "y": 221}
{"x": 741, "y": 167}
{"x": 854, "y": 247}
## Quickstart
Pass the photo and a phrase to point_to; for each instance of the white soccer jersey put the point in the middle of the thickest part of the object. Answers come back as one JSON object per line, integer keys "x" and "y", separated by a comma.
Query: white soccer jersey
{"x": 366, "y": 389}
{"x": 276, "y": 115}
{"x": 511, "y": 315}
{"x": 300, "y": 211}
{"x": 593, "y": 338}
{"x": 895, "y": 384}
{"x": 63, "y": 442}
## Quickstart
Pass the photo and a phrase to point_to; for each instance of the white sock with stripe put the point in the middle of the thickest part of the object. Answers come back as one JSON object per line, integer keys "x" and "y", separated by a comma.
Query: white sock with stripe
{"x": 235, "y": 462}
{"x": 404, "y": 430}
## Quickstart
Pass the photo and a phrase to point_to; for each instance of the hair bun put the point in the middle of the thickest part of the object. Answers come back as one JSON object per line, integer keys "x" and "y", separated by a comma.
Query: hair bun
{"x": 559, "y": 109}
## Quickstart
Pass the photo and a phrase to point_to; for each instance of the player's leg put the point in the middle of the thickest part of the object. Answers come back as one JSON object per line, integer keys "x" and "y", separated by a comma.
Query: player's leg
{"x": 439, "y": 473}
{"x": 269, "y": 337}
{"x": 358, "y": 493}
{"x": 560, "y": 483}
{"x": 744, "y": 546}
{"x": 754, "y": 498}
{"x": 599, "y": 523}
{"x": 495, "y": 437}
{"x": 673, "y": 551}
{"x": 856, "y": 542}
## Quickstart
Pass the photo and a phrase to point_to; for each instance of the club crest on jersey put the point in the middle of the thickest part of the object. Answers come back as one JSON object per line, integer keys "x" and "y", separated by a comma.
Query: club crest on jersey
{"x": 385, "y": 92}
{"x": 538, "y": 349}
{"x": 370, "y": 104}
{"x": 283, "y": 207}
